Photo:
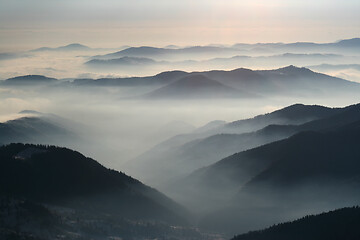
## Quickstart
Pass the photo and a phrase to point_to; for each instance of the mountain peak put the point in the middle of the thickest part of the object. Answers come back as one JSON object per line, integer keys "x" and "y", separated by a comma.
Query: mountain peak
{"x": 294, "y": 69}
{"x": 26, "y": 111}
{"x": 76, "y": 45}
{"x": 31, "y": 78}
{"x": 353, "y": 42}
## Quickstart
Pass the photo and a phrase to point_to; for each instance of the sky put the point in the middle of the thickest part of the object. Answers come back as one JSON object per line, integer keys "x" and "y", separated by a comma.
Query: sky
{"x": 26, "y": 24}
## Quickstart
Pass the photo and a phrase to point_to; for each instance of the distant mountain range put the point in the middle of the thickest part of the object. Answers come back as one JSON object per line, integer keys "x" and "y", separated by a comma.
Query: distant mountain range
{"x": 70, "y": 47}
{"x": 30, "y": 80}
{"x": 148, "y": 51}
{"x": 197, "y": 86}
{"x": 220, "y": 62}
{"x": 124, "y": 61}
{"x": 222, "y": 51}
{"x": 342, "y": 44}
{"x": 339, "y": 224}
{"x": 238, "y": 83}
{"x": 167, "y": 53}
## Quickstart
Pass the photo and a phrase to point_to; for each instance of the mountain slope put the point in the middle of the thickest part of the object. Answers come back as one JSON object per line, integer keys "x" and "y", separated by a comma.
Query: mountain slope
{"x": 339, "y": 224}
{"x": 160, "y": 79}
{"x": 310, "y": 171}
{"x": 287, "y": 81}
{"x": 283, "y": 81}
{"x": 30, "y": 80}
{"x": 37, "y": 127}
{"x": 196, "y": 86}
{"x": 201, "y": 148}
{"x": 223, "y": 179}
{"x": 70, "y": 47}
{"x": 170, "y": 53}
{"x": 66, "y": 178}
{"x": 292, "y": 115}
{"x": 123, "y": 61}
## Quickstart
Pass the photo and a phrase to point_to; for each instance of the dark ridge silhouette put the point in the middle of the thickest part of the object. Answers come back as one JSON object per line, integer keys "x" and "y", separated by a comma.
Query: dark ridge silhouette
{"x": 30, "y": 112}
{"x": 349, "y": 43}
{"x": 196, "y": 86}
{"x": 146, "y": 51}
{"x": 171, "y": 75}
{"x": 70, "y": 47}
{"x": 135, "y": 52}
{"x": 310, "y": 171}
{"x": 342, "y": 44}
{"x": 40, "y": 128}
{"x": 123, "y": 61}
{"x": 117, "y": 62}
{"x": 338, "y": 224}
{"x": 30, "y": 80}
{"x": 239, "y": 168}
{"x": 294, "y": 114}
{"x": 66, "y": 178}
{"x": 284, "y": 81}
{"x": 201, "y": 148}
{"x": 132, "y": 81}
{"x": 157, "y": 80}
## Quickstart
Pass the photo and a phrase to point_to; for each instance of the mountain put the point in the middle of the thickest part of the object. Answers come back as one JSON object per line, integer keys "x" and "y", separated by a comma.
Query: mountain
{"x": 30, "y": 80}
{"x": 160, "y": 79}
{"x": 338, "y": 224}
{"x": 64, "y": 177}
{"x": 310, "y": 171}
{"x": 28, "y": 220}
{"x": 225, "y": 176}
{"x": 196, "y": 86}
{"x": 139, "y": 52}
{"x": 169, "y": 53}
{"x": 194, "y": 52}
{"x": 341, "y": 45}
{"x": 205, "y": 146}
{"x": 123, "y": 61}
{"x": 70, "y": 47}
{"x": 285, "y": 81}
{"x": 29, "y": 129}
{"x": 349, "y": 43}
{"x": 219, "y": 62}
{"x": 36, "y": 127}
{"x": 74, "y": 186}
{"x": 271, "y": 61}
{"x": 292, "y": 115}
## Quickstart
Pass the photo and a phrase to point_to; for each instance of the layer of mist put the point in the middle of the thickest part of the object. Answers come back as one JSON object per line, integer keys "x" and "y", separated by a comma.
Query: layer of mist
{"x": 262, "y": 140}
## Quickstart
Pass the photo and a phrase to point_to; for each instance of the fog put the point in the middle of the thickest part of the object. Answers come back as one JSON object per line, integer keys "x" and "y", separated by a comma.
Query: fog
{"x": 126, "y": 128}
{"x": 179, "y": 132}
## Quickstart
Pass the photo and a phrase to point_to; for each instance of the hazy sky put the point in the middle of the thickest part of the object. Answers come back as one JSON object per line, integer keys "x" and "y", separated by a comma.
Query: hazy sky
{"x": 112, "y": 23}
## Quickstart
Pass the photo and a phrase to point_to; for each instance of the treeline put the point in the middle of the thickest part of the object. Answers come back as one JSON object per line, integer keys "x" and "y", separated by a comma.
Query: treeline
{"x": 335, "y": 225}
